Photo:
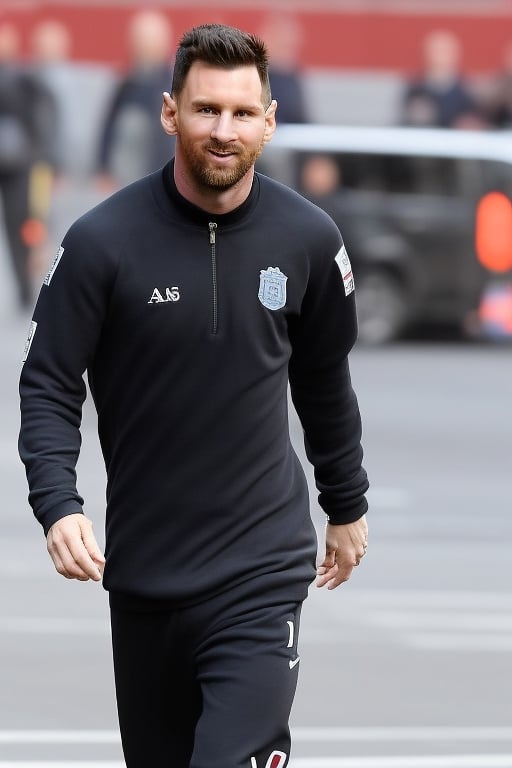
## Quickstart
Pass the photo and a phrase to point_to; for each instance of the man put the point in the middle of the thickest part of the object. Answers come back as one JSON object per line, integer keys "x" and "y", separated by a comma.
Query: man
{"x": 28, "y": 121}
{"x": 284, "y": 37}
{"x": 131, "y": 142}
{"x": 190, "y": 297}
{"x": 440, "y": 96}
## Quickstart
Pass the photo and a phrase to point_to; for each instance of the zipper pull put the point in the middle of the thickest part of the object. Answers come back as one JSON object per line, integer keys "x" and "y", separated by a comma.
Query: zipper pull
{"x": 212, "y": 227}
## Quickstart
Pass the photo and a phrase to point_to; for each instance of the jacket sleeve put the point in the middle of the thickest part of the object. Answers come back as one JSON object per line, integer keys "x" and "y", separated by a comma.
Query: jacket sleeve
{"x": 61, "y": 344}
{"x": 321, "y": 388}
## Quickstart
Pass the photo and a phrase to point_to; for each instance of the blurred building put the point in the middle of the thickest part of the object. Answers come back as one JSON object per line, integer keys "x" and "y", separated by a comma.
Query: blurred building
{"x": 354, "y": 56}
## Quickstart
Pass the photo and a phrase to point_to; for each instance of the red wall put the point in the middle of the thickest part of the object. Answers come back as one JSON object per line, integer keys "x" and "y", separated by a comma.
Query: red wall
{"x": 333, "y": 39}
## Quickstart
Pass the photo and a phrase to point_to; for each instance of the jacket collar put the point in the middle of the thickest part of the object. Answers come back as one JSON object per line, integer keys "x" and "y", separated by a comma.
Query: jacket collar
{"x": 199, "y": 215}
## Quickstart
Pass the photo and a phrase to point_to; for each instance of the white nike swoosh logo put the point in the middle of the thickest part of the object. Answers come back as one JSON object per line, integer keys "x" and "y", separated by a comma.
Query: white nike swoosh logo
{"x": 294, "y": 662}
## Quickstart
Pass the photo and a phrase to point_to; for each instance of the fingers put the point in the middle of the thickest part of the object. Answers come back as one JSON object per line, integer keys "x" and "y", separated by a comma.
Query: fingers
{"x": 359, "y": 534}
{"x": 328, "y": 569}
{"x": 360, "y": 551}
{"x": 74, "y": 550}
{"x": 340, "y": 572}
{"x": 326, "y": 575}
{"x": 346, "y": 545}
{"x": 91, "y": 545}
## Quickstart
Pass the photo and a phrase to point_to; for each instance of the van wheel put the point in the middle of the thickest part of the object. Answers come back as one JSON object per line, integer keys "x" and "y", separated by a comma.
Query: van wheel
{"x": 381, "y": 307}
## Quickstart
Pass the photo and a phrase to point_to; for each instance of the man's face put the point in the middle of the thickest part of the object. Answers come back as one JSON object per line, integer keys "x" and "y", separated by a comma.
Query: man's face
{"x": 221, "y": 124}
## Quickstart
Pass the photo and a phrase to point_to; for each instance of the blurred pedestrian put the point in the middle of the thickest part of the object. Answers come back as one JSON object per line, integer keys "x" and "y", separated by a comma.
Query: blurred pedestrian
{"x": 440, "y": 96}
{"x": 283, "y": 36}
{"x": 131, "y": 144}
{"x": 27, "y": 124}
{"x": 321, "y": 181}
{"x": 192, "y": 297}
{"x": 320, "y": 176}
{"x": 51, "y": 47}
{"x": 497, "y": 94}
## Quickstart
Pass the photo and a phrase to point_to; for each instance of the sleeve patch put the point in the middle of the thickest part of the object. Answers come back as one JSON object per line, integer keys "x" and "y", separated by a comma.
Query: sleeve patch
{"x": 55, "y": 264}
{"x": 343, "y": 262}
{"x": 30, "y": 338}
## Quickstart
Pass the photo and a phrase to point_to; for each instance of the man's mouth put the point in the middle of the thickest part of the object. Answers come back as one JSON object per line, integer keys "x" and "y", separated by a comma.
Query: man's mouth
{"x": 221, "y": 152}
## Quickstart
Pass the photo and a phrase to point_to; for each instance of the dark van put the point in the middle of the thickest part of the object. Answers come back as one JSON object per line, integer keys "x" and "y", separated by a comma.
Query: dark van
{"x": 406, "y": 202}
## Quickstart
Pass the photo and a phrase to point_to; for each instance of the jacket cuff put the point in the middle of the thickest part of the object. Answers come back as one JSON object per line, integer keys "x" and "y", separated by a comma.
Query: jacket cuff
{"x": 51, "y": 517}
{"x": 348, "y": 516}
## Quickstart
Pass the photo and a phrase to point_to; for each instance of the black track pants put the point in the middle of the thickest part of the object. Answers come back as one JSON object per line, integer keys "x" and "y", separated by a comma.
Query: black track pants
{"x": 207, "y": 686}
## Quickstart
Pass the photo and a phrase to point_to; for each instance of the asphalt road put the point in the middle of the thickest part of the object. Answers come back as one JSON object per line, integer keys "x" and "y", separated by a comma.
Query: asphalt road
{"x": 408, "y": 665}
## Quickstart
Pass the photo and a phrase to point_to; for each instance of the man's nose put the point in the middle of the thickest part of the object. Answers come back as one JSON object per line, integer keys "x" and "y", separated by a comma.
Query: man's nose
{"x": 224, "y": 128}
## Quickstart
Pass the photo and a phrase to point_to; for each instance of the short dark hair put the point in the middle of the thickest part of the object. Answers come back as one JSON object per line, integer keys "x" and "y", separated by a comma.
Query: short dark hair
{"x": 221, "y": 46}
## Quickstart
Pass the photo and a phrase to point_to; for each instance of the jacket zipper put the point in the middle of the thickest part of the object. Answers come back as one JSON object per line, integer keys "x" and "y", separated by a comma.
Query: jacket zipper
{"x": 212, "y": 226}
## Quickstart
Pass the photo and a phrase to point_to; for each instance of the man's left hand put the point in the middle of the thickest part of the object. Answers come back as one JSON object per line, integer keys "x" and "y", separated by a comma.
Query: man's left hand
{"x": 345, "y": 545}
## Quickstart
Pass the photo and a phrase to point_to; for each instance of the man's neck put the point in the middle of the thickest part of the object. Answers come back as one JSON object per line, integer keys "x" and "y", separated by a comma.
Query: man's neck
{"x": 212, "y": 200}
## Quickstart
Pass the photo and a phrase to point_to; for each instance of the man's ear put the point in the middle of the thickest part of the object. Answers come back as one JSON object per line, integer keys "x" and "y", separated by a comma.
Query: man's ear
{"x": 168, "y": 117}
{"x": 270, "y": 121}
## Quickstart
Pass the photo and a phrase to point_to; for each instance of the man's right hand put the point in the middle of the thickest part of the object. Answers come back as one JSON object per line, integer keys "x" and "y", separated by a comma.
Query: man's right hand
{"x": 74, "y": 549}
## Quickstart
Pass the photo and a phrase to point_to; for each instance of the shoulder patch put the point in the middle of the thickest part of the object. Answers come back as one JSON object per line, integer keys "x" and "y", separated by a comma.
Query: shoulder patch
{"x": 55, "y": 264}
{"x": 343, "y": 262}
{"x": 30, "y": 338}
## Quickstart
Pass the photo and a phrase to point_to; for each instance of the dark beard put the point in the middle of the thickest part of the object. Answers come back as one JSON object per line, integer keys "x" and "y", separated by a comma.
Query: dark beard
{"x": 220, "y": 179}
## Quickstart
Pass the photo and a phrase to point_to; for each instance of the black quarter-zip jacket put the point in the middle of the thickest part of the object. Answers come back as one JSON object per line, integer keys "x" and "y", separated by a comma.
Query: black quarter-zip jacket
{"x": 189, "y": 326}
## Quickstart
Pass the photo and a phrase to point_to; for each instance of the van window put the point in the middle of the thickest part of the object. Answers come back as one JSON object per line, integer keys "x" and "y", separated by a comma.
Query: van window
{"x": 391, "y": 173}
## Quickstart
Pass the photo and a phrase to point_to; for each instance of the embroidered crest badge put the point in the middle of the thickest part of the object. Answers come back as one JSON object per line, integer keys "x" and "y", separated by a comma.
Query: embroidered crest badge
{"x": 272, "y": 292}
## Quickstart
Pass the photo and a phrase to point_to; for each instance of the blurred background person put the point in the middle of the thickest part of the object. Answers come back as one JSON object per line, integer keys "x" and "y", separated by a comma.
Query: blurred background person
{"x": 320, "y": 177}
{"x": 51, "y": 48}
{"x": 28, "y": 121}
{"x": 440, "y": 95}
{"x": 79, "y": 88}
{"x": 283, "y": 35}
{"x": 497, "y": 95}
{"x": 132, "y": 143}
{"x": 321, "y": 181}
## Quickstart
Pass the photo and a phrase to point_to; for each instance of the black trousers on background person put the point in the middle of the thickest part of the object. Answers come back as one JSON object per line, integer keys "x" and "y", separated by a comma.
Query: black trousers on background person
{"x": 205, "y": 686}
{"x": 14, "y": 190}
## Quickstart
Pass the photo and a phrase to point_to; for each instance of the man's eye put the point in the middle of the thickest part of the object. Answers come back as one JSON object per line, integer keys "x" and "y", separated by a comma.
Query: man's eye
{"x": 207, "y": 110}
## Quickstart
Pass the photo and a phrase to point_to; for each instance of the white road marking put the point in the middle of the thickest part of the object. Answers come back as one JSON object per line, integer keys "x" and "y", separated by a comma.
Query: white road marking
{"x": 46, "y": 625}
{"x": 473, "y": 631}
{"x": 67, "y": 764}
{"x": 419, "y": 598}
{"x": 437, "y": 761}
{"x": 457, "y": 641}
{"x": 299, "y": 734}
{"x": 425, "y": 735}
{"x": 474, "y": 621}
{"x": 476, "y": 611}
{"x": 59, "y": 737}
{"x": 403, "y": 733}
